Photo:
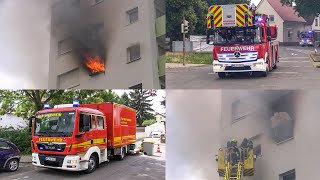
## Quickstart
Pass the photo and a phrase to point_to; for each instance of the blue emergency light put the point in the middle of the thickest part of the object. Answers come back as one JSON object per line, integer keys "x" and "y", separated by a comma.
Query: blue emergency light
{"x": 310, "y": 31}
{"x": 76, "y": 103}
{"x": 47, "y": 106}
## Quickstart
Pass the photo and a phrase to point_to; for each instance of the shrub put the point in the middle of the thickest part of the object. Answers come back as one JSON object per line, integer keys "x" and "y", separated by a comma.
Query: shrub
{"x": 20, "y": 137}
{"x": 149, "y": 122}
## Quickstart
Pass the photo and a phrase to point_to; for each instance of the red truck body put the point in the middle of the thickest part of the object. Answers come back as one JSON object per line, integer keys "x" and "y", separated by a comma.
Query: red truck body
{"x": 80, "y": 138}
{"x": 121, "y": 123}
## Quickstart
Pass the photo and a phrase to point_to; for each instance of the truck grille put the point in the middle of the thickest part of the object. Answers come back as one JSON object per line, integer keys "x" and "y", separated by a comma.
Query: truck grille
{"x": 237, "y": 57}
{"x": 57, "y": 163}
{"x": 43, "y": 146}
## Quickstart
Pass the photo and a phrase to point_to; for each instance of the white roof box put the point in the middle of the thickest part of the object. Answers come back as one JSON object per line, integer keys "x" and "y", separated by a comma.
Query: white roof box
{"x": 63, "y": 106}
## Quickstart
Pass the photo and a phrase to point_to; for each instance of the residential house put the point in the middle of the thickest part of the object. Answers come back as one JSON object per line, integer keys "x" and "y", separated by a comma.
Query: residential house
{"x": 289, "y": 23}
{"x": 10, "y": 120}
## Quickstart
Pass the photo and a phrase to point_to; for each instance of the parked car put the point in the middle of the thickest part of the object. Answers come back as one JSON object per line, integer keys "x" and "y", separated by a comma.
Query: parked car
{"x": 9, "y": 155}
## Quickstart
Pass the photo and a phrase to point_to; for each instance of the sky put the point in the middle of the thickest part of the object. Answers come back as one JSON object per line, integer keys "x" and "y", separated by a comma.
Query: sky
{"x": 157, "y": 107}
{"x": 256, "y": 2}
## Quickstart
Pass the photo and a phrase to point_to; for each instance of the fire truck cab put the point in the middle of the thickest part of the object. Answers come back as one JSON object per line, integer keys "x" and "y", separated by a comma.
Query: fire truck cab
{"x": 242, "y": 39}
{"x": 78, "y": 137}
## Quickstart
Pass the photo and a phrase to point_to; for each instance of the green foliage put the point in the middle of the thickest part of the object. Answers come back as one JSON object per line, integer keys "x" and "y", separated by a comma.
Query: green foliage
{"x": 192, "y": 58}
{"x": 149, "y": 122}
{"x": 195, "y": 12}
{"x": 21, "y": 138}
{"x": 305, "y": 8}
{"x": 26, "y": 102}
{"x": 141, "y": 100}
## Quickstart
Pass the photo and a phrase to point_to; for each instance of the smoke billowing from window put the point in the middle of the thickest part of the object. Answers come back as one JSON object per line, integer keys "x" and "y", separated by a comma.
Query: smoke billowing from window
{"x": 24, "y": 45}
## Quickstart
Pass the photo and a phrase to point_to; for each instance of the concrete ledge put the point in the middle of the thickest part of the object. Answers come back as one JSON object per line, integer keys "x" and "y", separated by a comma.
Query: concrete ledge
{"x": 315, "y": 60}
{"x": 26, "y": 159}
{"x": 180, "y": 65}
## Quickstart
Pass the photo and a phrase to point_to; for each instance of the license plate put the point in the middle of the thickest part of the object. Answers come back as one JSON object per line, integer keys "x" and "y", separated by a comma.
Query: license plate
{"x": 237, "y": 65}
{"x": 50, "y": 159}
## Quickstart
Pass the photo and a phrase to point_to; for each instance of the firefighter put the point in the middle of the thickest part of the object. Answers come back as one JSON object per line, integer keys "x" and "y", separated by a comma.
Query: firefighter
{"x": 234, "y": 152}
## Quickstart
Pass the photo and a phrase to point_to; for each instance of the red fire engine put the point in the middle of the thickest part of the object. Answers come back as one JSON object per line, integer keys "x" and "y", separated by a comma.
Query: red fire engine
{"x": 79, "y": 137}
{"x": 243, "y": 40}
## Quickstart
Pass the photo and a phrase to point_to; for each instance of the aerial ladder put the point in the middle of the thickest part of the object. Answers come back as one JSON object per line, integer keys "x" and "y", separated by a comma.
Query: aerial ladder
{"x": 229, "y": 169}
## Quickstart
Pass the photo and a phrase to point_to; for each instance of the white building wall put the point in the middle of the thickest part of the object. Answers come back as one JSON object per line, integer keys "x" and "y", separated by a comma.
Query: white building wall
{"x": 299, "y": 153}
{"x": 10, "y": 120}
{"x": 119, "y": 36}
{"x": 314, "y": 27}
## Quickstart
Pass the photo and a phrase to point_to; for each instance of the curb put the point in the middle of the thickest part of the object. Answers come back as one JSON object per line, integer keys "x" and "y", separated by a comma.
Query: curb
{"x": 179, "y": 65}
{"x": 314, "y": 63}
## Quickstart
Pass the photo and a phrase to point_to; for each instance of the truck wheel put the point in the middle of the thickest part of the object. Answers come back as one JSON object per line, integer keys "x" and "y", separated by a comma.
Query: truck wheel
{"x": 92, "y": 164}
{"x": 264, "y": 74}
{"x": 222, "y": 75}
{"x": 12, "y": 165}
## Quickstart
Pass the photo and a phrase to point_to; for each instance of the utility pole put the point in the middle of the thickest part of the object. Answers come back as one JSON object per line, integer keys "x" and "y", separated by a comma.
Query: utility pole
{"x": 184, "y": 41}
{"x": 184, "y": 31}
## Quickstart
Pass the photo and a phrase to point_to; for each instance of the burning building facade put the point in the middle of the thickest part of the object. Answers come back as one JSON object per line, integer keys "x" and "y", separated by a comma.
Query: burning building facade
{"x": 283, "y": 126}
{"x": 106, "y": 44}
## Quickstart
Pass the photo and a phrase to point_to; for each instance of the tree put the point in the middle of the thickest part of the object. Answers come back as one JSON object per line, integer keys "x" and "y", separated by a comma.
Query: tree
{"x": 125, "y": 100}
{"x": 195, "y": 12}
{"x": 140, "y": 100}
{"x": 305, "y": 8}
{"x": 25, "y": 103}
{"x": 149, "y": 122}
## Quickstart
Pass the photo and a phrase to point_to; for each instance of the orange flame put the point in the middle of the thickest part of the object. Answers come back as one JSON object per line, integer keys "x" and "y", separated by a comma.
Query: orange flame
{"x": 95, "y": 64}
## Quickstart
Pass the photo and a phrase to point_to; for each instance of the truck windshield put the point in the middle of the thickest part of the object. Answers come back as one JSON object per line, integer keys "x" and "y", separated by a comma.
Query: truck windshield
{"x": 239, "y": 35}
{"x": 306, "y": 35}
{"x": 58, "y": 124}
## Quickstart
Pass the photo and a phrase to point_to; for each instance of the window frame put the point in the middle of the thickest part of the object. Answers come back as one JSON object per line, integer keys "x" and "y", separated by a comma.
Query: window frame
{"x": 130, "y": 12}
{"x": 129, "y": 49}
{"x": 70, "y": 49}
{"x": 95, "y": 2}
{"x": 103, "y": 122}
{"x": 137, "y": 86}
{"x": 271, "y": 17}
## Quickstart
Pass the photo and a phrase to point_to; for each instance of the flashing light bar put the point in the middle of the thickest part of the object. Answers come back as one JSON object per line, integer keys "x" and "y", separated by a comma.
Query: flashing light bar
{"x": 47, "y": 106}
{"x": 76, "y": 103}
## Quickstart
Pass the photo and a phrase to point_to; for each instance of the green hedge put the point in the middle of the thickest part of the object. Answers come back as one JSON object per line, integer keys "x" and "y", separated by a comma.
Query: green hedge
{"x": 21, "y": 138}
{"x": 191, "y": 58}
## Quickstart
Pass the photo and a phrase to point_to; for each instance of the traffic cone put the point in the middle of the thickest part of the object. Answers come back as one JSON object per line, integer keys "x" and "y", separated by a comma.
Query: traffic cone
{"x": 158, "y": 149}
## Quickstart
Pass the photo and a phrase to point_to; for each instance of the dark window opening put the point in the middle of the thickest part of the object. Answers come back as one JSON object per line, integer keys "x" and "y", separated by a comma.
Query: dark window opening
{"x": 133, "y": 15}
{"x": 289, "y": 175}
{"x": 138, "y": 86}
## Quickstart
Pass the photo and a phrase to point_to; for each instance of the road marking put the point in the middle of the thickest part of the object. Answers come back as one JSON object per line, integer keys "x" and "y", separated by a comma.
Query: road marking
{"x": 297, "y": 66}
{"x": 294, "y": 61}
{"x": 295, "y": 58}
{"x": 284, "y": 72}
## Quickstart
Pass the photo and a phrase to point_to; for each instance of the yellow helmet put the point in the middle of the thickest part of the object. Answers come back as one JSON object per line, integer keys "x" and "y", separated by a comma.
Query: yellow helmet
{"x": 234, "y": 140}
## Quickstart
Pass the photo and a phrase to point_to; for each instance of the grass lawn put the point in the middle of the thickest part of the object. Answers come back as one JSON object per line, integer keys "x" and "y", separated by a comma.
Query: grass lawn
{"x": 191, "y": 58}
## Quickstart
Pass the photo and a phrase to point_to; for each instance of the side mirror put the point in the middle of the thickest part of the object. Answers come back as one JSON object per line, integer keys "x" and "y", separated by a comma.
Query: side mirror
{"x": 269, "y": 38}
{"x": 30, "y": 122}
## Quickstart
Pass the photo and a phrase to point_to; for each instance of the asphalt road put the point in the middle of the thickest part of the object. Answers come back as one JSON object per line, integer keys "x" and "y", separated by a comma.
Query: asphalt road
{"x": 295, "y": 71}
{"x": 135, "y": 167}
